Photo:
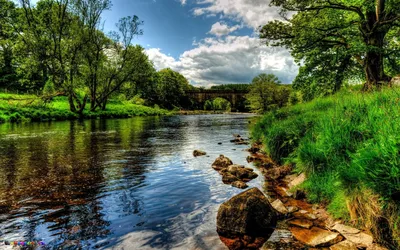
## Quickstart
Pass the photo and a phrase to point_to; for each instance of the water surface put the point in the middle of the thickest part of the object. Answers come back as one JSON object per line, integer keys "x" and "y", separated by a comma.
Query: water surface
{"x": 117, "y": 184}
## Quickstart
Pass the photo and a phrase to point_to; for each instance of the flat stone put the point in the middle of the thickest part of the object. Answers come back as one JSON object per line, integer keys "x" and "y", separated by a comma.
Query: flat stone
{"x": 343, "y": 229}
{"x": 316, "y": 237}
{"x": 283, "y": 192}
{"x": 292, "y": 209}
{"x": 303, "y": 223}
{"x": 279, "y": 206}
{"x": 344, "y": 245}
{"x": 302, "y": 214}
{"x": 359, "y": 239}
{"x": 297, "y": 181}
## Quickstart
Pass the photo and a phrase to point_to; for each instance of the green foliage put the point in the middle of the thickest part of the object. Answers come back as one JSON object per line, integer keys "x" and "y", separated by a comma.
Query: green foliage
{"x": 338, "y": 41}
{"x": 238, "y": 87}
{"x": 171, "y": 88}
{"x": 48, "y": 88}
{"x": 266, "y": 93}
{"x": 24, "y": 108}
{"x": 217, "y": 104}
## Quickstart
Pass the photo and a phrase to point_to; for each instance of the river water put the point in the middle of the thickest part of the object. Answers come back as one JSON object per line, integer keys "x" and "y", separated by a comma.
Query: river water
{"x": 118, "y": 183}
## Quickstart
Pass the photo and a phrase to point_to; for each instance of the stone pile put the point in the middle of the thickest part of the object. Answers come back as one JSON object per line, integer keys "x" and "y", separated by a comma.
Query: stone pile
{"x": 236, "y": 175}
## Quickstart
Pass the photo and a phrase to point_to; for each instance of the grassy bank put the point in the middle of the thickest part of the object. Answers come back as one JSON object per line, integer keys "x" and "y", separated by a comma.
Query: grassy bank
{"x": 24, "y": 108}
{"x": 349, "y": 147}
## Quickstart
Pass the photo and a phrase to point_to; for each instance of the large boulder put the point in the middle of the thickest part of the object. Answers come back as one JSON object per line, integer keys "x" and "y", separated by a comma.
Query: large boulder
{"x": 246, "y": 220}
{"x": 221, "y": 162}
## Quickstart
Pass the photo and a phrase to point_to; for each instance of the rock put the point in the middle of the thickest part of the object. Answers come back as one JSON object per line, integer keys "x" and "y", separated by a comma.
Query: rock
{"x": 343, "y": 229}
{"x": 344, "y": 245}
{"x": 279, "y": 206}
{"x": 299, "y": 194}
{"x": 241, "y": 172}
{"x": 376, "y": 247}
{"x": 297, "y": 181}
{"x": 302, "y": 214}
{"x": 277, "y": 172}
{"x": 198, "y": 153}
{"x": 292, "y": 209}
{"x": 359, "y": 239}
{"x": 221, "y": 162}
{"x": 239, "y": 184}
{"x": 316, "y": 237}
{"x": 219, "y": 143}
{"x": 228, "y": 178}
{"x": 303, "y": 223}
{"x": 246, "y": 214}
{"x": 283, "y": 192}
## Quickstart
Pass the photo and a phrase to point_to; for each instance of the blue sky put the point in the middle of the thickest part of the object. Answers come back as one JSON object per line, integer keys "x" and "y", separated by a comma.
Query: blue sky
{"x": 210, "y": 42}
{"x": 168, "y": 24}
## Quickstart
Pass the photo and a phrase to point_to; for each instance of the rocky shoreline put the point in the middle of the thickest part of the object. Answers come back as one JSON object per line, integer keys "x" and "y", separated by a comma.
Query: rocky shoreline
{"x": 296, "y": 223}
{"x": 303, "y": 225}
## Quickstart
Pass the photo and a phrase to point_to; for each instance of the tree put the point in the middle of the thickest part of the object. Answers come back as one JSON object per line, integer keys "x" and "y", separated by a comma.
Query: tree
{"x": 8, "y": 15}
{"x": 266, "y": 93}
{"x": 171, "y": 87}
{"x": 123, "y": 62}
{"x": 337, "y": 37}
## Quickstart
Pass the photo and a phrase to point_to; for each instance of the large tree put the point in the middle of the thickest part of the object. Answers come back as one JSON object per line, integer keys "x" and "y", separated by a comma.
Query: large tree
{"x": 335, "y": 38}
{"x": 266, "y": 92}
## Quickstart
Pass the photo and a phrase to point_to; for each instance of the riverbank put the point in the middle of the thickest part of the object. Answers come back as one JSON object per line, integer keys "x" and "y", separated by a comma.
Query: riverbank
{"x": 347, "y": 146}
{"x": 26, "y": 108}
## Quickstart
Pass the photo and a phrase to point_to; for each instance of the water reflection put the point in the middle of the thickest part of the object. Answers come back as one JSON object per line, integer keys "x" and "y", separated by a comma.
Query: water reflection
{"x": 105, "y": 183}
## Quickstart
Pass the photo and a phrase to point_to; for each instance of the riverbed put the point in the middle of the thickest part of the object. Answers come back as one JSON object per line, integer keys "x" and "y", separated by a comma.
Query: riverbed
{"x": 118, "y": 183}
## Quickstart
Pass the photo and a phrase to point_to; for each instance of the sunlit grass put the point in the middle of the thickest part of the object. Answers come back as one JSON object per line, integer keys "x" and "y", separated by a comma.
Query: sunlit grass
{"x": 23, "y": 108}
{"x": 347, "y": 144}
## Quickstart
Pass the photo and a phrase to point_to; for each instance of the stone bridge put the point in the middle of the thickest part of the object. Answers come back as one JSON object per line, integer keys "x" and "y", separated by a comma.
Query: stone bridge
{"x": 235, "y": 97}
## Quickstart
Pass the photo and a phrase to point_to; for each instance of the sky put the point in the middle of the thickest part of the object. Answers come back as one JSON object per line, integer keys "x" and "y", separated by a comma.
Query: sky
{"x": 210, "y": 42}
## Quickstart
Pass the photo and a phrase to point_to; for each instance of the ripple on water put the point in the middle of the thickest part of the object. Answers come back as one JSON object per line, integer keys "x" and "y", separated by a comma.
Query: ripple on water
{"x": 107, "y": 184}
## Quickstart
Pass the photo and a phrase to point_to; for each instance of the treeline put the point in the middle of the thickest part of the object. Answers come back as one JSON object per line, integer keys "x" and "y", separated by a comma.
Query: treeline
{"x": 59, "y": 47}
{"x": 238, "y": 87}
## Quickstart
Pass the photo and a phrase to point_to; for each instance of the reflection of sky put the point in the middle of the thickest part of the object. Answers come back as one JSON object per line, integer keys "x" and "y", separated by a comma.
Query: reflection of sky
{"x": 150, "y": 188}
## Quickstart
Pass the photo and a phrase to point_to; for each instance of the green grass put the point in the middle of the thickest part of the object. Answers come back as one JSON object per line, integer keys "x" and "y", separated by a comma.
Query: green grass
{"x": 346, "y": 144}
{"x": 25, "y": 108}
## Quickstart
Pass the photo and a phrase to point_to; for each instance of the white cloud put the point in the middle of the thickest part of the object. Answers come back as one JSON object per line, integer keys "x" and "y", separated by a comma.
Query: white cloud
{"x": 232, "y": 59}
{"x": 252, "y": 13}
{"x": 183, "y": 2}
{"x": 222, "y": 29}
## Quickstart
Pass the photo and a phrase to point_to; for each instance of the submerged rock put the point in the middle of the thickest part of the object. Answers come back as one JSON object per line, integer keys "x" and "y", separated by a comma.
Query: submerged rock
{"x": 198, "y": 153}
{"x": 246, "y": 220}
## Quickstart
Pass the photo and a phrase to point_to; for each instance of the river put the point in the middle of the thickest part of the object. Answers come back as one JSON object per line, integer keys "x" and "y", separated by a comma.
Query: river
{"x": 117, "y": 183}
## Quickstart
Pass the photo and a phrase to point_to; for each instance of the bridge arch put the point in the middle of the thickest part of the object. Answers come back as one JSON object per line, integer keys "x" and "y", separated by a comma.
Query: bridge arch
{"x": 235, "y": 97}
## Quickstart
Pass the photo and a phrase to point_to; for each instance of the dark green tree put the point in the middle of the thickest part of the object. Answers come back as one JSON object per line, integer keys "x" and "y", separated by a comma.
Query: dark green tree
{"x": 334, "y": 39}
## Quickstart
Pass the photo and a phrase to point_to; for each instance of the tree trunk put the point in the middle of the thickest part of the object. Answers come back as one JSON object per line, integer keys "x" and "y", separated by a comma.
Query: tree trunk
{"x": 374, "y": 39}
{"x": 340, "y": 73}
{"x": 72, "y": 107}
